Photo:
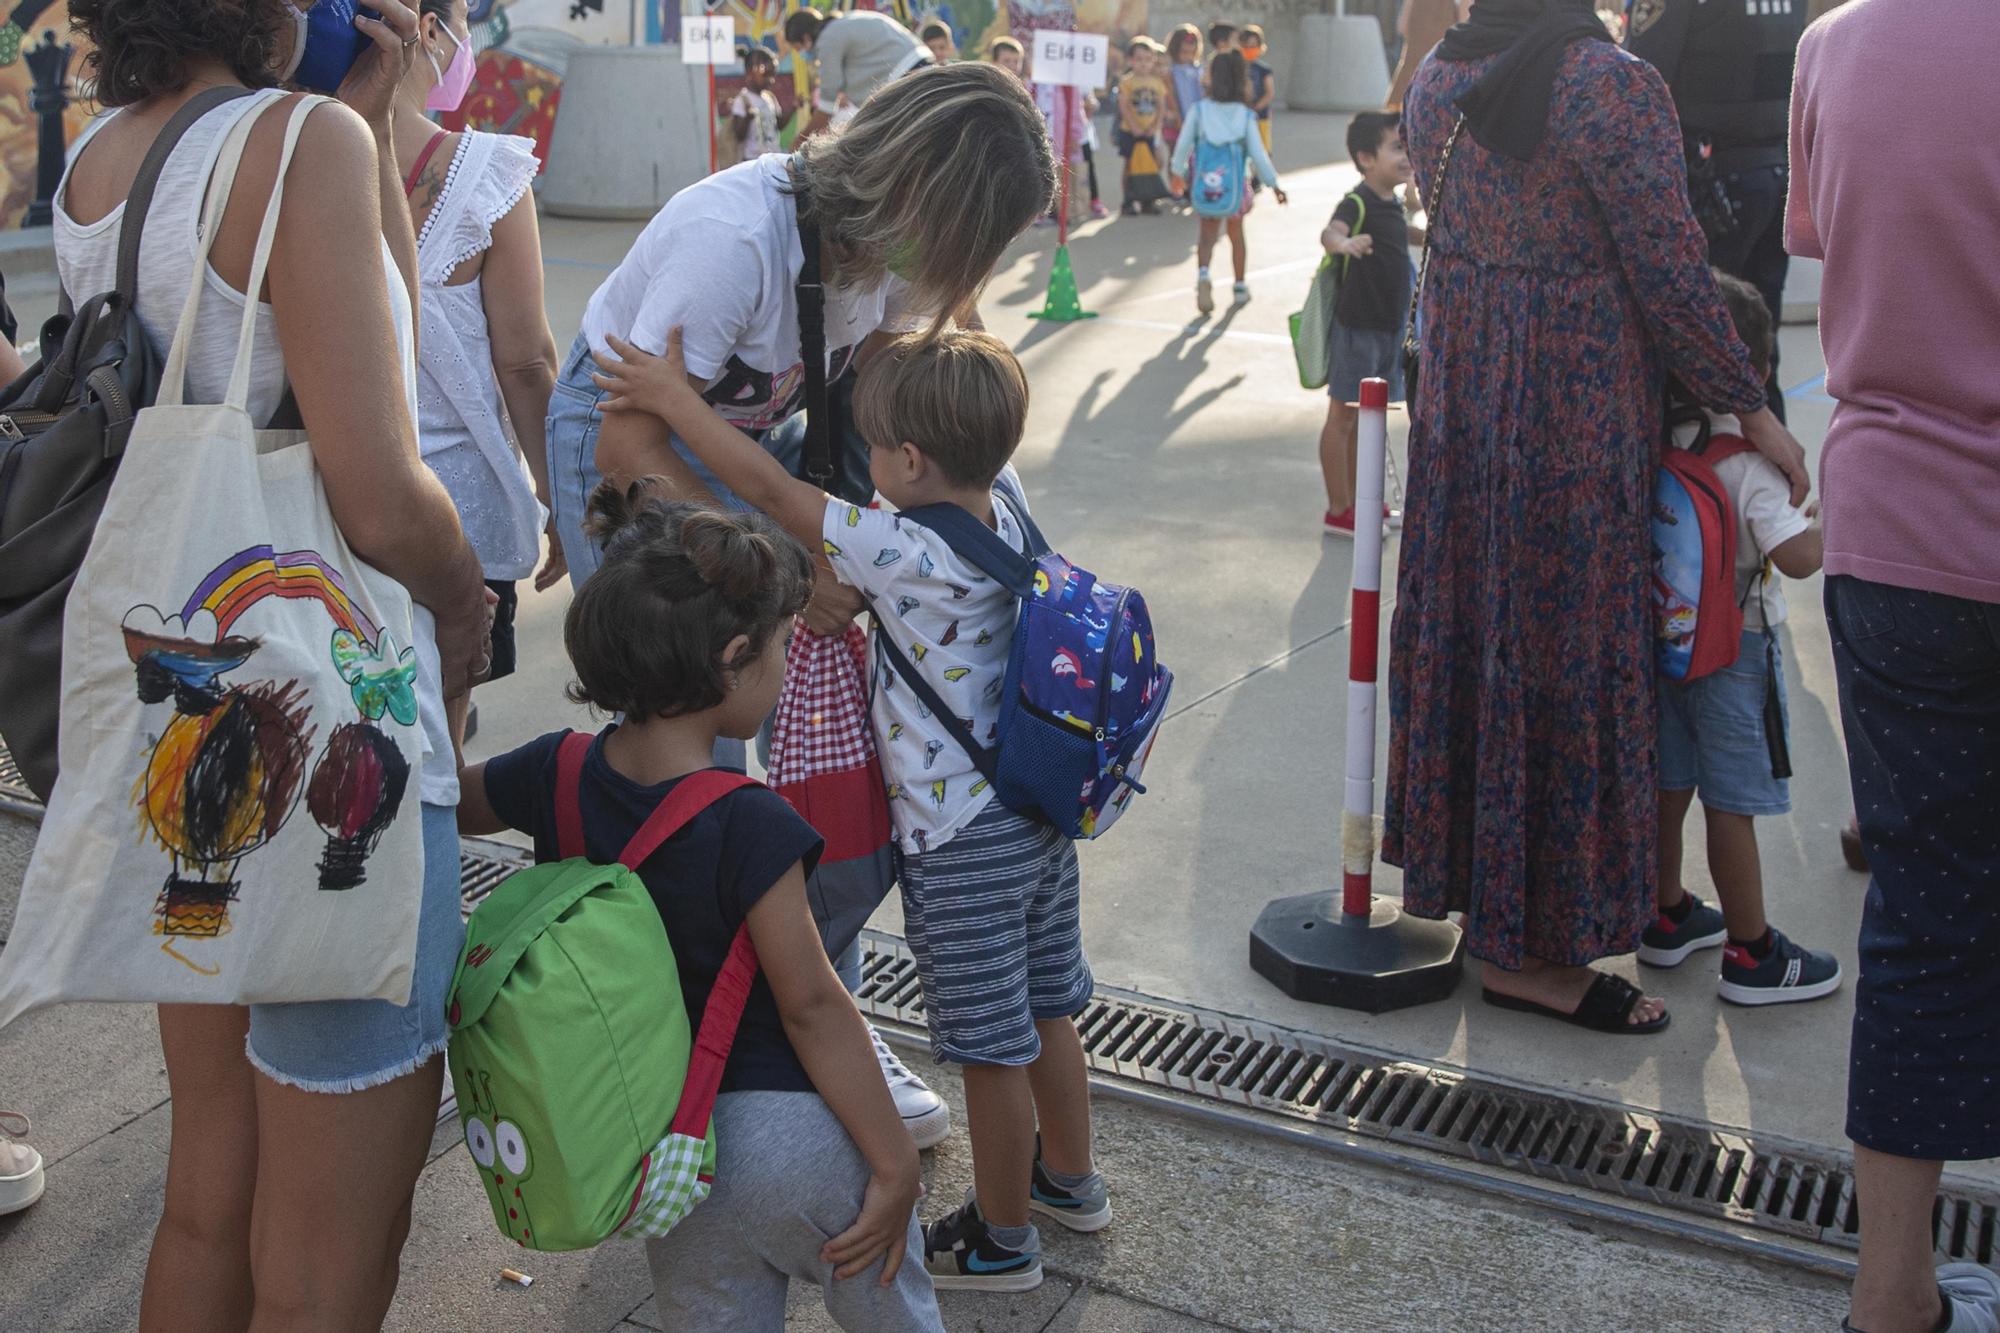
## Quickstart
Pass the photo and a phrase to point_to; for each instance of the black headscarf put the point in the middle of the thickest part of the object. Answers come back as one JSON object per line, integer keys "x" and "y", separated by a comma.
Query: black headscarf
{"x": 1507, "y": 109}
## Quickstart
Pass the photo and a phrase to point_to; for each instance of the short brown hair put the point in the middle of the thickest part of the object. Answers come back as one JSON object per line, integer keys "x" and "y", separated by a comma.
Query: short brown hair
{"x": 679, "y": 581}
{"x": 1751, "y": 317}
{"x": 143, "y": 48}
{"x": 1251, "y": 36}
{"x": 961, "y": 398}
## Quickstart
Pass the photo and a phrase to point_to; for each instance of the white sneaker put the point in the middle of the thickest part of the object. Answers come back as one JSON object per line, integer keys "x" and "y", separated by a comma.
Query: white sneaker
{"x": 924, "y": 1113}
{"x": 1204, "y": 295}
{"x": 1974, "y": 1293}
{"x": 21, "y": 1178}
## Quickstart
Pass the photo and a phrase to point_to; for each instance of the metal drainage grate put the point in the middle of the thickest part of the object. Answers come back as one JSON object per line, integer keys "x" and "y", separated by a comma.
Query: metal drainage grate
{"x": 1769, "y": 1184}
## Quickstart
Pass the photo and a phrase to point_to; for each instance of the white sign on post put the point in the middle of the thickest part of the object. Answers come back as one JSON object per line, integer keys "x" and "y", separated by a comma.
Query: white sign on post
{"x": 1078, "y": 59}
{"x": 707, "y": 40}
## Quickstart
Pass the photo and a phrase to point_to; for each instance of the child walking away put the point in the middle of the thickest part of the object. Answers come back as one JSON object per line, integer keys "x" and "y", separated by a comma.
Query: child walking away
{"x": 1218, "y": 142}
{"x": 1724, "y": 734}
{"x": 754, "y": 114}
{"x": 1369, "y": 238}
{"x": 1143, "y": 99}
{"x": 682, "y": 632}
{"x": 990, "y": 897}
{"x": 1263, "y": 80}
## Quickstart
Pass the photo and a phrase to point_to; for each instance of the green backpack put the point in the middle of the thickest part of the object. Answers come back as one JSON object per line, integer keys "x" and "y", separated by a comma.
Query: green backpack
{"x": 584, "y": 1104}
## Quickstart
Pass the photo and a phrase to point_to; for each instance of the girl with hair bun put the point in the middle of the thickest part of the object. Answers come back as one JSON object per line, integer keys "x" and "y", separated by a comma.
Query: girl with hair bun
{"x": 682, "y": 632}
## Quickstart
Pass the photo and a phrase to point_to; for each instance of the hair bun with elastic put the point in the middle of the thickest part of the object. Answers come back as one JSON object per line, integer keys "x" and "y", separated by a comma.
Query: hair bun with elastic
{"x": 727, "y": 555}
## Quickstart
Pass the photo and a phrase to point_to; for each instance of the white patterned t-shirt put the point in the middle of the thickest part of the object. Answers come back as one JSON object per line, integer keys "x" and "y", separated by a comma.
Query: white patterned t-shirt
{"x": 955, "y": 626}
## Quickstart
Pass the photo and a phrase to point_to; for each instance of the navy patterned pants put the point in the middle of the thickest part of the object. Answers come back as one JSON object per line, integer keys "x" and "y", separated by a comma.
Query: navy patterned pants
{"x": 1919, "y": 680}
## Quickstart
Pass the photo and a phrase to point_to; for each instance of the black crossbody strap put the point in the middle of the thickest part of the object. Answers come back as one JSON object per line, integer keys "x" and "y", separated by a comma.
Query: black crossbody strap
{"x": 140, "y": 199}
{"x": 986, "y": 760}
{"x": 811, "y": 293}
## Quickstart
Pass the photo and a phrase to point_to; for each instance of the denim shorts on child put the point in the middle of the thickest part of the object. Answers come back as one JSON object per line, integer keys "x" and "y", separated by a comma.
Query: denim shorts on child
{"x": 350, "y": 1045}
{"x": 993, "y": 919}
{"x": 1353, "y": 355}
{"x": 1712, "y": 734}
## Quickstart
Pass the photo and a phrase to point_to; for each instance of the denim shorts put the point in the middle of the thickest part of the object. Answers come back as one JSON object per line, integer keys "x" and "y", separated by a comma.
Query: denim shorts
{"x": 1712, "y": 734}
{"x": 351, "y": 1045}
{"x": 1919, "y": 676}
{"x": 994, "y": 918}
{"x": 1353, "y": 355}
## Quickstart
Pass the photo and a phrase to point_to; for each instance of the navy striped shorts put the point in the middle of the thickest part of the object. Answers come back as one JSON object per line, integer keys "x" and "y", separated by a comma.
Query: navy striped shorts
{"x": 993, "y": 917}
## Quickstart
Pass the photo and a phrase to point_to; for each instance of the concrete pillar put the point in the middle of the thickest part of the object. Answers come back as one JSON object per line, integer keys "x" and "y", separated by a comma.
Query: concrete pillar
{"x": 1340, "y": 64}
{"x": 628, "y": 132}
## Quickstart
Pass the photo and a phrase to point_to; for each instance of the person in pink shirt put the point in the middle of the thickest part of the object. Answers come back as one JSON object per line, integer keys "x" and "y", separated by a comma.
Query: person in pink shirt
{"x": 1911, "y": 483}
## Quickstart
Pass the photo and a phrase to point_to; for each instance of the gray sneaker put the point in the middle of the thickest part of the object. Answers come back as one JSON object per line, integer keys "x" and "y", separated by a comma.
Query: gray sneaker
{"x": 1085, "y": 1208}
{"x": 21, "y": 1180}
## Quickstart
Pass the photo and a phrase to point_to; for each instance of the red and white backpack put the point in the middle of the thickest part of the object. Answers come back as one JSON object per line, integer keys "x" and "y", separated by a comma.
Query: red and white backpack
{"x": 1697, "y": 621}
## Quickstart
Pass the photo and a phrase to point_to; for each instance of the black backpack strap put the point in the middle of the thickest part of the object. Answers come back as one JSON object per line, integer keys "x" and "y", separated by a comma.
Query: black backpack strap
{"x": 811, "y": 293}
{"x": 982, "y": 547}
{"x": 140, "y": 197}
{"x": 986, "y": 760}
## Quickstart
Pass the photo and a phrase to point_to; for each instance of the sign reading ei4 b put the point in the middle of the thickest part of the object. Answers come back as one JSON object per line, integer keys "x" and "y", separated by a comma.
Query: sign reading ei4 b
{"x": 1078, "y": 59}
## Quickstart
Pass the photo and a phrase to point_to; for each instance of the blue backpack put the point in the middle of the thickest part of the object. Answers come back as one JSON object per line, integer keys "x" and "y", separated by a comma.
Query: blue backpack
{"x": 1216, "y": 185}
{"x": 1085, "y": 693}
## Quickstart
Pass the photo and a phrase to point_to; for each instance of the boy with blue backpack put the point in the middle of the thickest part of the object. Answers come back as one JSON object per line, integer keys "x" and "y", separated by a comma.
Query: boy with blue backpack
{"x": 1724, "y": 529}
{"x": 997, "y": 665}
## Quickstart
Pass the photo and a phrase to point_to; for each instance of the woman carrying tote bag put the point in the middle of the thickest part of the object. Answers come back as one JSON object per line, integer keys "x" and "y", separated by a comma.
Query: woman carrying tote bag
{"x": 284, "y": 715}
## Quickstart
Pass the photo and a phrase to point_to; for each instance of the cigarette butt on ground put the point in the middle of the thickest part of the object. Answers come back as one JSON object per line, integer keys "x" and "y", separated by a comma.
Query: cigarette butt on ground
{"x": 517, "y": 1277}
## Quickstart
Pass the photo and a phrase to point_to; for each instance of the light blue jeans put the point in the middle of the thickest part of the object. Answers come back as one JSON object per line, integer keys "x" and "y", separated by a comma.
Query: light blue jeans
{"x": 350, "y": 1045}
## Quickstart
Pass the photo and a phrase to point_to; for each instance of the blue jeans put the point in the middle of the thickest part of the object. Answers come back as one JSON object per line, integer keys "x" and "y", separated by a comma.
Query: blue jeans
{"x": 1919, "y": 677}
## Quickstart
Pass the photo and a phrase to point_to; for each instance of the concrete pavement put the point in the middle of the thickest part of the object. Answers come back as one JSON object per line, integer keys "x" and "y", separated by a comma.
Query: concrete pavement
{"x": 1177, "y": 455}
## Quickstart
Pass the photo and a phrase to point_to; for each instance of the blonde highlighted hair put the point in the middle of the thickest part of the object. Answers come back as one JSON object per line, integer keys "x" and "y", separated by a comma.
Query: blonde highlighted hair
{"x": 935, "y": 176}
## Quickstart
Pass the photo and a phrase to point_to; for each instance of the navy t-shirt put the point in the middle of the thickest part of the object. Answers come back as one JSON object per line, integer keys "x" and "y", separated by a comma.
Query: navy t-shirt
{"x": 1260, "y": 79}
{"x": 1375, "y": 290}
{"x": 704, "y": 879}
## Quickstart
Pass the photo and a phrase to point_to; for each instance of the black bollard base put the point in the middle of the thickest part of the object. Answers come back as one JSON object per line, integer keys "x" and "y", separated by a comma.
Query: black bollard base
{"x": 1310, "y": 950}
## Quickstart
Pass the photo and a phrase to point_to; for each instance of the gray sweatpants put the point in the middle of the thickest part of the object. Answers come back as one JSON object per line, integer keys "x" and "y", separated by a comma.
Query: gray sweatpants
{"x": 787, "y": 1180}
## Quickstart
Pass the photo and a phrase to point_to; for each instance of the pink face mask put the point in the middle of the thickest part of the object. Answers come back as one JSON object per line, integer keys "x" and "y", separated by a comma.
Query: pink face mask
{"x": 454, "y": 80}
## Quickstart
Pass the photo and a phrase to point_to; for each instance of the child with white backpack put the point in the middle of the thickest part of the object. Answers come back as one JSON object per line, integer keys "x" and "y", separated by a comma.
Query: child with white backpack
{"x": 1219, "y": 142}
{"x": 682, "y": 632}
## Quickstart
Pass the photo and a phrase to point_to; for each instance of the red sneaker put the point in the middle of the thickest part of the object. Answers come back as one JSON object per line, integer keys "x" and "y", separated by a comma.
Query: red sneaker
{"x": 1341, "y": 524}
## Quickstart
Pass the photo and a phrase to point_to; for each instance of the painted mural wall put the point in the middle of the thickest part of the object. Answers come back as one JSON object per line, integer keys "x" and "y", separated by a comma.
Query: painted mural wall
{"x": 29, "y": 24}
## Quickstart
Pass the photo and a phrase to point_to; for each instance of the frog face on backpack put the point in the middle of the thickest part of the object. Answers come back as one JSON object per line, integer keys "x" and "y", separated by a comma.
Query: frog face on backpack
{"x": 500, "y": 1149}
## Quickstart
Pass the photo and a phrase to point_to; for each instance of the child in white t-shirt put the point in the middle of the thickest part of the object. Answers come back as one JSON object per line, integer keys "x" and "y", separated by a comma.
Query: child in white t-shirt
{"x": 754, "y": 113}
{"x": 990, "y": 898}
{"x": 1723, "y": 734}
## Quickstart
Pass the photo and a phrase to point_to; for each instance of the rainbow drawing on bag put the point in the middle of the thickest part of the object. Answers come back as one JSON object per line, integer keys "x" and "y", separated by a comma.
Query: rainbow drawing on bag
{"x": 228, "y": 770}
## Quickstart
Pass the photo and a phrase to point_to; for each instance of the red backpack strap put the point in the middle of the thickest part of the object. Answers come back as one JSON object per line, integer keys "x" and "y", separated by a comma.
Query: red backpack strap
{"x": 569, "y": 794}
{"x": 1723, "y": 445}
{"x": 716, "y": 1035}
{"x": 690, "y": 796}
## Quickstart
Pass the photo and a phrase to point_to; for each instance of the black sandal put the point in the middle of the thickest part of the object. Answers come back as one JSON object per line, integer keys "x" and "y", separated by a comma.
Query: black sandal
{"x": 1604, "y": 1008}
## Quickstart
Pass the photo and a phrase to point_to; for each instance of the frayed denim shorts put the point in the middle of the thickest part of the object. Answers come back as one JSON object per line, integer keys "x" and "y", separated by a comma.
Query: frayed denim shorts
{"x": 350, "y": 1045}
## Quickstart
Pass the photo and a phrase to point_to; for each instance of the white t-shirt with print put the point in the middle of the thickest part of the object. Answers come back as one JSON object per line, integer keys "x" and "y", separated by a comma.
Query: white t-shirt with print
{"x": 1765, "y": 520}
{"x": 956, "y": 627}
{"x": 762, "y": 109}
{"x": 721, "y": 260}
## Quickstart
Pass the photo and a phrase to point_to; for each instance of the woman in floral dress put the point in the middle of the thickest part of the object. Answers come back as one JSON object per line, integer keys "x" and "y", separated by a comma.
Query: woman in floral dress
{"x": 1567, "y": 279}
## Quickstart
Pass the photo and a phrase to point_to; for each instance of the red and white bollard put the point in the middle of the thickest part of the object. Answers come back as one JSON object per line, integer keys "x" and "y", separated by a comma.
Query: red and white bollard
{"x": 1357, "y": 814}
{"x": 1360, "y": 952}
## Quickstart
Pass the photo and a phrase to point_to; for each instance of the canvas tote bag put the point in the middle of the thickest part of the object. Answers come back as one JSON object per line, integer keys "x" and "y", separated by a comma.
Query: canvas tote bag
{"x": 236, "y": 818}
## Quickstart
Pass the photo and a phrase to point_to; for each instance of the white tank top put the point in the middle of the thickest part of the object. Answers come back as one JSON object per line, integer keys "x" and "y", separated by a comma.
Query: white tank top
{"x": 87, "y": 263}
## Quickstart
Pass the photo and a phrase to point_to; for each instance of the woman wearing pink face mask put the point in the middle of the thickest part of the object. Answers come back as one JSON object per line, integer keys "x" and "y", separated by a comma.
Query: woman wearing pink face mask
{"x": 486, "y": 362}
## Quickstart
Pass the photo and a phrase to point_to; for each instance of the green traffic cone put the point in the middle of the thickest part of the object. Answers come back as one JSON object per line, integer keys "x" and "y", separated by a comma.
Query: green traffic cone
{"x": 1063, "y": 305}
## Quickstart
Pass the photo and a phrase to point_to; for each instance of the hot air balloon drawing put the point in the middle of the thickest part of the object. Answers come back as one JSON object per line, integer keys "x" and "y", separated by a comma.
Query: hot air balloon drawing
{"x": 358, "y": 786}
{"x": 228, "y": 769}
